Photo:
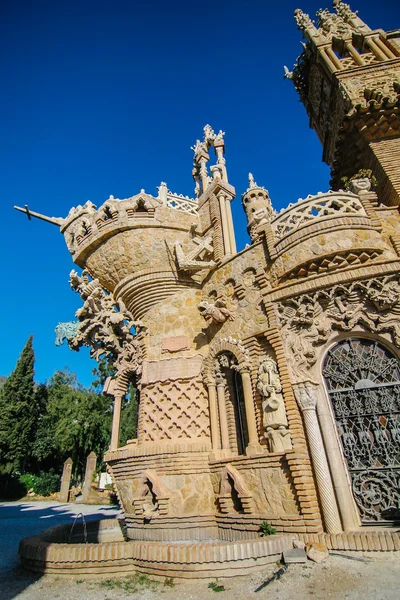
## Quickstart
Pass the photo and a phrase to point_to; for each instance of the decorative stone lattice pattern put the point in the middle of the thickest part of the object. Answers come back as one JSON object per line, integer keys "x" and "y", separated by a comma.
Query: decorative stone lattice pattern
{"x": 175, "y": 410}
{"x": 182, "y": 203}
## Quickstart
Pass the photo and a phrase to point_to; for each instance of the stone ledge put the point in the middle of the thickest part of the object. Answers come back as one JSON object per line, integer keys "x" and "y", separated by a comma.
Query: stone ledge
{"x": 367, "y": 541}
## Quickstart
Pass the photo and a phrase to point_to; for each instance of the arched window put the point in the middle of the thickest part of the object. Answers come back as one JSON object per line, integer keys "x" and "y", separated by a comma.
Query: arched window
{"x": 363, "y": 382}
{"x": 234, "y": 402}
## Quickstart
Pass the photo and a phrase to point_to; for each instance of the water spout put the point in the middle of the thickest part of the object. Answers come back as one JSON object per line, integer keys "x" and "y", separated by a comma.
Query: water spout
{"x": 84, "y": 528}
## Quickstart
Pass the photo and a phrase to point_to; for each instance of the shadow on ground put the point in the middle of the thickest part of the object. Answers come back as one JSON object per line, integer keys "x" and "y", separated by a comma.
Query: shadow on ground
{"x": 23, "y": 519}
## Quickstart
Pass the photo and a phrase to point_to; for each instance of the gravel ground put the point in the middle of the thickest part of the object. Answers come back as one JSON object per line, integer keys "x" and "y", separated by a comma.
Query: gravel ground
{"x": 343, "y": 576}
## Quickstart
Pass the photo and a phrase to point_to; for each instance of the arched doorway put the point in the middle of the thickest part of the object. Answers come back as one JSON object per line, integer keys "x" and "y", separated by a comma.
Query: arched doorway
{"x": 363, "y": 382}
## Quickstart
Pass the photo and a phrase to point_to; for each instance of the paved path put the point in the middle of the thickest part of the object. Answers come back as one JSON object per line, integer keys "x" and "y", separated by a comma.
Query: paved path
{"x": 23, "y": 519}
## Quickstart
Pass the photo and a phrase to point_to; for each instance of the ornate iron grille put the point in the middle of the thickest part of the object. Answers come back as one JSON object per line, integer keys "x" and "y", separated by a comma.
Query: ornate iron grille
{"x": 363, "y": 381}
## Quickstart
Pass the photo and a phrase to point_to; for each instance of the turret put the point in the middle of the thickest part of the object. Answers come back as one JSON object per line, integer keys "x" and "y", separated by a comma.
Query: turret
{"x": 257, "y": 205}
{"x": 348, "y": 78}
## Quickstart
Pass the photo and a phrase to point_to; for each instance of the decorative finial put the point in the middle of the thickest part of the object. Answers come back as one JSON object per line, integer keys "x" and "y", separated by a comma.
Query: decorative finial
{"x": 163, "y": 193}
{"x": 303, "y": 20}
{"x": 198, "y": 148}
{"x": 252, "y": 183}
{"x": 210, "y": 137}
{"x": 344, "y": 10}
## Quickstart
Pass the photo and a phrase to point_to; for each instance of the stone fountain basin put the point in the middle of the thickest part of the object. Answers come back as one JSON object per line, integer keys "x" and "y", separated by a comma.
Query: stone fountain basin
{"x": 108, "y": 553}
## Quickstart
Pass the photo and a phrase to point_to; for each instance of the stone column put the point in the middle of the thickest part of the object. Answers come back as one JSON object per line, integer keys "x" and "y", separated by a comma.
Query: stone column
{"x": 384, "y": 48}
{"x": 223, "y": 420}
{"x": 116, "y": 421}
{"x": 66, "y": 480}
{"x": 334, "y": 59}
{"x": 306, "y": 397}
{"x": 341, "y": 482}
{"x": 203, "y": 173}
{"x": 224, "y": 223}
{"x": 375, "y": 49}
{"x": 90, "y": 469}
{"x": 219, "y": 151}
{"x": 231, "y": 231}
{"x": 212, "y": 401}
{"x": 254, "y": 446}
{"x": 354, "y": 54}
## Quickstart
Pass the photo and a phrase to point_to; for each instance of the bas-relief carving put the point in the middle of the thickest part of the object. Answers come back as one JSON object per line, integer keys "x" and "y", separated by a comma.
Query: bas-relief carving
{"x": 307, "y": 320}
{"x": 171, "y": 369}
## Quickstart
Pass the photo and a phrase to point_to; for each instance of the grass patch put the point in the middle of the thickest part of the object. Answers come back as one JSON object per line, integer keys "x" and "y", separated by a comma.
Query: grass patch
{"x": 134, "y": 583}
{"x": 216, "y": 587}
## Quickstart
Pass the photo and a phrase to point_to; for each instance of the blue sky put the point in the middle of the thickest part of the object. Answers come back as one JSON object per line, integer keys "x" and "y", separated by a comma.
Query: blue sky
{"x": 104, "y": 97}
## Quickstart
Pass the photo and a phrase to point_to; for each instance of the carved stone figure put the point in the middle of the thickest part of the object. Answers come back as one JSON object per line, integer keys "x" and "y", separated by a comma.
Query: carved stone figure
{"x": 66, "y": 331}
{"x": 278, "y": 439}
{"x": 269, "y": 384}
{"x": 105, "y": 325}
{"x": 216, "y": 312}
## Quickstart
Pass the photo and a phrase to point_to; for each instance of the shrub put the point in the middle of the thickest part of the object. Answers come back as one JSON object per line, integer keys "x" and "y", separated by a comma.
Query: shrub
{"x": 267, "y": 529}
{"x": 11, "y": 488}
{"x": 28, "y": 480}
{"x": 47, "y": 483}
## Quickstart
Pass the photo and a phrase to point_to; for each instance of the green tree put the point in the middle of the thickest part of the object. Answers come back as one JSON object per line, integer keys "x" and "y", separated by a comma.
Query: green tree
{"x": 130, "y": 405}
{"x": 19, "y": 410}
{"x": 77, "y": 421}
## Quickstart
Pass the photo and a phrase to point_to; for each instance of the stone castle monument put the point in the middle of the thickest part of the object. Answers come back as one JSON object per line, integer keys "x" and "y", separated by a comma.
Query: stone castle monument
{"x": 269, "y": 378}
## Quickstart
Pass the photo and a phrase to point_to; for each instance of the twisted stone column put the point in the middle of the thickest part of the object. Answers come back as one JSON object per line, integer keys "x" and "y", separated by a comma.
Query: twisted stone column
{"x": 306, "y": 397}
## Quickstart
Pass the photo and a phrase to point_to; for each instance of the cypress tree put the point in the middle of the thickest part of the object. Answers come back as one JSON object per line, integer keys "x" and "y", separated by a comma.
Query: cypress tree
{"x": 18, "y": 413}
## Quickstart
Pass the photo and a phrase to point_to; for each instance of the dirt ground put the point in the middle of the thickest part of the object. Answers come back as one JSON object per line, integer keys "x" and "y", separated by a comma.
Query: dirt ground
{"x": 352, "y": 576}
{"x": 343, "y": 576}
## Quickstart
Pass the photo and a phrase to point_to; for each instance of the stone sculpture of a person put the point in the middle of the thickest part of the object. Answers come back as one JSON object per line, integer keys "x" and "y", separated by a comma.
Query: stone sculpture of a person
{"x": 269, "y": 384}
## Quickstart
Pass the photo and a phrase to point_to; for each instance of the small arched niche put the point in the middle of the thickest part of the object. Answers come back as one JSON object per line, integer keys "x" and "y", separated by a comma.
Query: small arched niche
{"x": 151, "y": 498}
{"x": 234, "y": 496}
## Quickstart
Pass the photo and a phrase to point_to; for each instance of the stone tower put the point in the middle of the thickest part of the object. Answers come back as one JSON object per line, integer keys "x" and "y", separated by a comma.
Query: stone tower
{"x": 348, "y": 78}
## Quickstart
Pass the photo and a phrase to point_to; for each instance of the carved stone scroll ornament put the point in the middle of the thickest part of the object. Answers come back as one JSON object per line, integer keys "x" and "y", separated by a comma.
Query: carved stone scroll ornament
{"x": 306, "y": 321}
{"x": 105, "y": 325}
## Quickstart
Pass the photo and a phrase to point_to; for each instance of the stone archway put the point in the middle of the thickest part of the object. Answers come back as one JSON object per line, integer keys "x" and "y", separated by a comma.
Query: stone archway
{"x": 363, "y": 383}
{"x": 226, "y": 373}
